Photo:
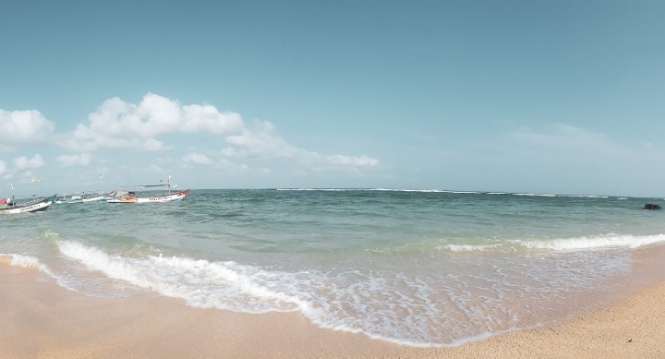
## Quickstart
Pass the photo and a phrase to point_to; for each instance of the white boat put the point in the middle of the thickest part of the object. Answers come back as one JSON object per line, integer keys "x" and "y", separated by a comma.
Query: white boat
{"x": 32, "y": 206}
{"x": 6, "y": 202}
{"x": 131, "y": 197}
{"x": 82, "y": 199}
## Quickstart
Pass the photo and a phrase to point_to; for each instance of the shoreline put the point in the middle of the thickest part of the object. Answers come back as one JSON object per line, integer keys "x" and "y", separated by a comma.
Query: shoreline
{"x": 41, "y": 319}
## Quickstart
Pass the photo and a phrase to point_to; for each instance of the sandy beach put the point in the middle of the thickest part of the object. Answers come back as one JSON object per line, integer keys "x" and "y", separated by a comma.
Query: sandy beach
{"x": 43, "y": 320}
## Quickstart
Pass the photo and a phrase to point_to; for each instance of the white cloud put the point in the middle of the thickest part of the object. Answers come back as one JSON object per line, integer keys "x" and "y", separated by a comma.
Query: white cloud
{"x": 23, "y": 162}
{"x": 3, "y": 167}
{"x": 23, "y": 127}
{"x": 118, "y": 124}
{"x": 82, "y": 159}
{"x": 261, "y": 141}
{"x": 197, "y": 158}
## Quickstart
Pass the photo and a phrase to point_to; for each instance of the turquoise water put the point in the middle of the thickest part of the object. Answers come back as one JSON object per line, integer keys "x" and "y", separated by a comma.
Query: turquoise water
{"x": 416, "y": 267}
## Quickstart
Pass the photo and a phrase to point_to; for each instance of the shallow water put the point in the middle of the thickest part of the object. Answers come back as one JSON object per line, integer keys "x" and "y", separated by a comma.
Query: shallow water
{"x": 416, "y": 267}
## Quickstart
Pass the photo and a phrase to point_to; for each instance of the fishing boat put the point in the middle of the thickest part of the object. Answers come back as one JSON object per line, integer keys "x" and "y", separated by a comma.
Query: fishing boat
{"x": 82, "y": 198}
{"x": 32, "y": 206}
{"x": 5, "y": 202}
{"x": 131, "y": 197}
{"x": 93, "y": 196}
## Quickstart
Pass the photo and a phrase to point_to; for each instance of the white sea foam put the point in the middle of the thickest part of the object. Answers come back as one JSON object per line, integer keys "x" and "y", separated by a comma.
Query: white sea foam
{"x": 27, "y": 261}
{"x": 596, "y": 242}
{"x": 385, "y": 305}
{"x": 200, "y": 283}
{"x": 534, "y": 194}
{"x": 582, "y": 196}
{"x": 564, "y": 244}
{"x": 447, "y": 191}
{"x": 381, "y": 190}
{"x": 470, "y": 247}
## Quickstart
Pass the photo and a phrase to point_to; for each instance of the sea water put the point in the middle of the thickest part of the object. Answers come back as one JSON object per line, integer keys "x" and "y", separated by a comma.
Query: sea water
{"x": 421, "y": 267}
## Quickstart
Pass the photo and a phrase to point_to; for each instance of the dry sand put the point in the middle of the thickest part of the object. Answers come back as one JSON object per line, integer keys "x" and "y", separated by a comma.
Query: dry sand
{"x": 42, "y": 320}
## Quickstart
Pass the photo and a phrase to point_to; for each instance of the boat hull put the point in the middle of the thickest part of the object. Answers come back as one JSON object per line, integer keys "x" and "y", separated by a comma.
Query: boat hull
{"x": 154, "y": 199}
{"x": 39, "y": 206}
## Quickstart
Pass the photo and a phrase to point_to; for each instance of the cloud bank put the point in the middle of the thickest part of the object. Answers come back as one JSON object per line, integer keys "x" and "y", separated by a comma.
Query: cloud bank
{"x": 23, "y": 163}
{"x": 18, "y": 128}
{"x": 119, "y": 124}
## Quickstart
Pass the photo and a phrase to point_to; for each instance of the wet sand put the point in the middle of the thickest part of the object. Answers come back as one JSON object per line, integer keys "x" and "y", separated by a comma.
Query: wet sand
{"x": 43, "y": 320}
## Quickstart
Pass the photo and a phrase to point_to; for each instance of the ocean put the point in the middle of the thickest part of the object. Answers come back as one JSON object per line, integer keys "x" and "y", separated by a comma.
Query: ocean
{"x": 418, "y": 267}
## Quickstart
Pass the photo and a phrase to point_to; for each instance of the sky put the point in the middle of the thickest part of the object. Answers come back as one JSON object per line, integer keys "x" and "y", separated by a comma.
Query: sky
{"x": 563, "y": 97}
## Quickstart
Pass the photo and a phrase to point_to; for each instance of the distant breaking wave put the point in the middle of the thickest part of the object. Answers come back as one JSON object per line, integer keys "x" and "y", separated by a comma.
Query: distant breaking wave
{"x": 450, "y": 191}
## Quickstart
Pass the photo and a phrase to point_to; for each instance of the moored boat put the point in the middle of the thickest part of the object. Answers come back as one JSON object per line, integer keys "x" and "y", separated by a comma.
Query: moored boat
{"x": 131, "y": 197}
{"x": 5, "y": 203}
{"x": 82, "y": 198}
{"x": 32, "y": 206}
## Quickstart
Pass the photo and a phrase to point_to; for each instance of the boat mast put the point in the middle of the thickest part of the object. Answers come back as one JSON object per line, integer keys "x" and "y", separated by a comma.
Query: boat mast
{"x": 168, "y": 182}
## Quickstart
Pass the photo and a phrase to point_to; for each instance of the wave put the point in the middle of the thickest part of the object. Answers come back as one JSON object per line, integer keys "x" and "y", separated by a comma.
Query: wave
{"x": 582, "y": 196}
{"x": 199, "y": 282}
{"x": 379, "y": 190}
{"x": 349, "y": 300}
{"x": 25, "y": 261}
{"x": 534, "y": 194}
{"x": 600, "y": 242}
{"x": 445, "y": 191}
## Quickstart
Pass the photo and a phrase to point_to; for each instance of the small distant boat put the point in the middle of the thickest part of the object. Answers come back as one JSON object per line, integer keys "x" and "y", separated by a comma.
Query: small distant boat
{"x": 93, "y": 196}
{"x": 131, "y": 197}
{"x": 32, "y": 206}
{"x": 83, "y": 199}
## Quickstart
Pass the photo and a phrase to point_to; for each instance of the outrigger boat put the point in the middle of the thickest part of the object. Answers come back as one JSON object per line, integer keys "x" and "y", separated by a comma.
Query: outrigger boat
{"x": 83, "y": 199}
{"x": 94, "y": 197}
{"x": 131, "y": 197}
{"x": 32, "y": 206}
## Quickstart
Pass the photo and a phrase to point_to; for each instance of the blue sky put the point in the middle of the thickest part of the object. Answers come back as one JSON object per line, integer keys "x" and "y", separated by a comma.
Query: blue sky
{"x": 519, "y": 96}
